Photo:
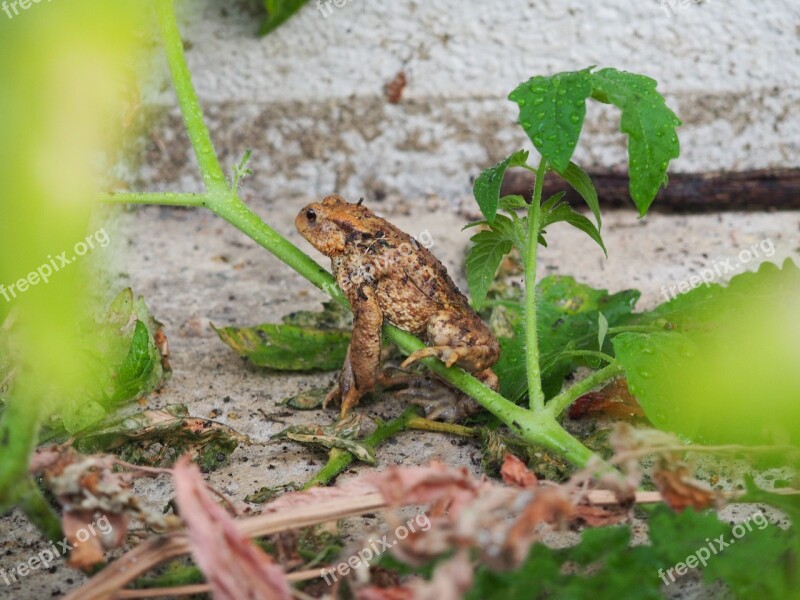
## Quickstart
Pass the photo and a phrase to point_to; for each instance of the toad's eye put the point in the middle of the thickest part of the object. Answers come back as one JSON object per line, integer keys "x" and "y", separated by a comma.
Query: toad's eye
{"x": 311, "y": 216}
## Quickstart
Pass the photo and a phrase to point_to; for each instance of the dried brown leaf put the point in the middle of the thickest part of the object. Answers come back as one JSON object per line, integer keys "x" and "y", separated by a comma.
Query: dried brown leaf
{"x": 614, "y": 400}
{"x": 234, "y": 567}
{"x": 451, "y": 488}
{"x": 679, "y": 490}
{"x": 515, "y": 472}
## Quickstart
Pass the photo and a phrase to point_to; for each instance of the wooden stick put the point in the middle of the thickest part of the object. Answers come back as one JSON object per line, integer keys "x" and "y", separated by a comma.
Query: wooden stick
{"x": 769, "y": 189}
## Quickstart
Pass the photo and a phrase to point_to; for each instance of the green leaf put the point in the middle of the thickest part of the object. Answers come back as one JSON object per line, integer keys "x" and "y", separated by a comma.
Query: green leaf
{"x": 582, "y": 183}
{"x": 140, "y": 371}
{"x": 511, "y": 367}
{"x": 602, "y": 326}
{"x": 486, "y": 188}
{"x": 288, "y": 347}
{"x": 159, "y": 437}
{"x": 341, "y": 434}
{"x": 568, "y": 319}
{"x": 488, "y": 249}
{"x": 649, "y": 124}
{"x": 727, "y": 372}
{"x": 565, "y": 213}
{"x": 512, "y": 203}
{"x": 551, "y": 111}
{"x": 278, "y": 12}
{"x": 312, "y": 399}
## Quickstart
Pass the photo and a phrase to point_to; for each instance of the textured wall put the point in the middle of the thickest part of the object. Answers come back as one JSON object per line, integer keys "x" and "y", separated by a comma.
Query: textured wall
{"x": 309, "y": 98}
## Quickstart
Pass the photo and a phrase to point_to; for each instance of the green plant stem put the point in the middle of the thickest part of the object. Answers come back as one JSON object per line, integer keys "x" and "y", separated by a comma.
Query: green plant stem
{"x": 160, "y": 198}
{"x": 560, "y": 403}
{"x": 213, "y": 177}
{"x": 19, "y": 427}
{"x": 589, "y": 354}
{"x": 534, "y": 429}
{"x": 339, "y": 459}
{"x": 535, "y": 392}
{"x": 39, "y": 511}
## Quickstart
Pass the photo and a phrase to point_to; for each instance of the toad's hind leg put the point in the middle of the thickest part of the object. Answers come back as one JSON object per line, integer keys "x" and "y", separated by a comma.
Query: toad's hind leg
{"x": 462, "y": 340}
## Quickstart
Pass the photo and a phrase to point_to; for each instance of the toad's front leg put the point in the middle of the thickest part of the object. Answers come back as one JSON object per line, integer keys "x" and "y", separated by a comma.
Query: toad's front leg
{"x": 360, "y": 370}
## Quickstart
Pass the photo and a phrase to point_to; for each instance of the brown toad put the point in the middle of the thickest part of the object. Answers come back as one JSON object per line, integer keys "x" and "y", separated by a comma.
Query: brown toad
{"x": 388, "y": 276}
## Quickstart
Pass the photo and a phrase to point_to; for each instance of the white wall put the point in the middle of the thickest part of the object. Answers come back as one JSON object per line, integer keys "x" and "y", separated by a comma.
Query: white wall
{"x": 309, "y": 98}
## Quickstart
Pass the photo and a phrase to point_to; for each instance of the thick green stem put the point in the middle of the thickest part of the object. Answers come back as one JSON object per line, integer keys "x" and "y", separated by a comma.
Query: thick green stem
{"x": 19, "y": 427}
{"x": 159, "y": 198}
{"x": 213, "y": 177}
{"x": 339, "y": 460}
{"x": 559, "y": 404}
{"x": 39, "y": 511}
{"x": 531, "y": 335}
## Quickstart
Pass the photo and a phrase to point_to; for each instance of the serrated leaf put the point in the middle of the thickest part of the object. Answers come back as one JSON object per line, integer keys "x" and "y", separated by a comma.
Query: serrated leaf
{"x": 650, "y": 125}
{"x": 728, "y": 373}
{"x": 513, "y": 202}
{"x": 565, "y": 213}
{"x": 605, "y": 566}
{"x": 486, "y": 188}
{"x": 582, "y": 183}
{"x": 551, "y": 111}
{"x": 552, "y": 201}
{"x": 568, "y": 319}
{"x": 488, "y": 249}
{"x": 288, "y": 347}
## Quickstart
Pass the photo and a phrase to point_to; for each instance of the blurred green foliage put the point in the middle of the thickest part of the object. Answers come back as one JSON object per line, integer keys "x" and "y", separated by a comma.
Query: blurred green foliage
{"x": 64, "y": 67}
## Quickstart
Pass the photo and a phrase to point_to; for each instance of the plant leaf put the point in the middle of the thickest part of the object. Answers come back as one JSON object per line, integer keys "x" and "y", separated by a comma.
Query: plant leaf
{"x": 551, "y": 111}
{"x": 727, "y": 371}
{"x": 650, "y": 125}
{"x": 288, "y": 347}
{"x": 486, "y": 188}
{"x": 582, "y": 183}
{"x": 602, "y": 326}
{"x": 488, "y": 249}
{"x": 278, "y": 12}
{"x": 341, "y": 434}
{"x": 171, "y": 431}
{"x": 568, "y": 319}
{"x": 512, "y": 203}
{"x": 564, "y": 212}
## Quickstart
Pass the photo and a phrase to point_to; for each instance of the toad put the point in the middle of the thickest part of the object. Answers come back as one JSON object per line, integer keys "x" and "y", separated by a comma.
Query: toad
{"x": 389, "y": 277}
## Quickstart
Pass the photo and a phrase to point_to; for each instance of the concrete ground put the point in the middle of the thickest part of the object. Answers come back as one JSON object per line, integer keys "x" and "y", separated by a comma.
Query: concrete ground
{"x": 194, "y": 270}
